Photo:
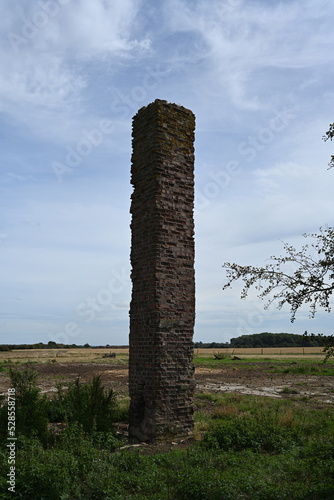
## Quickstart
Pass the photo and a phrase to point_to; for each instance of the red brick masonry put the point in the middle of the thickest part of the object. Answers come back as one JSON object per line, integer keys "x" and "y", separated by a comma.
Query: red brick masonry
{"x": 162, "y": 311}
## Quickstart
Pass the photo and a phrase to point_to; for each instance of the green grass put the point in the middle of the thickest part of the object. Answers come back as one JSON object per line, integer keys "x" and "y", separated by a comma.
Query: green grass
{"x": 298, "y": 366}
{"x": 251, "y": 448}
{"x": 211, "y": 362}
{"x": 307, "y": 364}
{"x": 305, "y": 369}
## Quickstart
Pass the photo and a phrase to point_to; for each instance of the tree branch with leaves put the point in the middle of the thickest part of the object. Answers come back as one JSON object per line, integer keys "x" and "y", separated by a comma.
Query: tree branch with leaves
{"x": 312, "y": 282}
{"x": 329, "y": 135}
{"x": 297, "y": 278}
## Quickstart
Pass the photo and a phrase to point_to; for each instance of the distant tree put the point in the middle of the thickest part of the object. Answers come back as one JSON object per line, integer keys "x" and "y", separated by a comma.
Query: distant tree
{"x": 4, "y": 348}
{"x": 52, "y": 344}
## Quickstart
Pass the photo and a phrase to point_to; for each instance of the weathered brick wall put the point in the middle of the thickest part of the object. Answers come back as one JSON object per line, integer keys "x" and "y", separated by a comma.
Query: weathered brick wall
{"x": 162, "y": 311}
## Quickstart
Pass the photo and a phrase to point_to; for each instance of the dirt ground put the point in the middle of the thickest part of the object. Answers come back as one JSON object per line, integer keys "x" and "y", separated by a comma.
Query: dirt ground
{"x": 258, "y": 381}
{"x": 243, "y": 378}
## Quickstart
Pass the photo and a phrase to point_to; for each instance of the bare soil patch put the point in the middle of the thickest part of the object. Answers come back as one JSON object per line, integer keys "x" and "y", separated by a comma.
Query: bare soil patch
{"x": 51, "y": 374}
{"x": 244, "y": 378}
{"x": 258, "y": 381}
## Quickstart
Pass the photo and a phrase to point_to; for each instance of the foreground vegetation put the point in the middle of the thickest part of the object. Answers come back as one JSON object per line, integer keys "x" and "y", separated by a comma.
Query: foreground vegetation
{"x": 245, "y": 447}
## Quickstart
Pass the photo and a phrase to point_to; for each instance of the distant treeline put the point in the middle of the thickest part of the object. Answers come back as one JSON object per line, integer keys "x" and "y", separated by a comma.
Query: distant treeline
{"x": 211, "y": 345}
{"x": 266, "y": 339}
{"x": 54, "y": 345}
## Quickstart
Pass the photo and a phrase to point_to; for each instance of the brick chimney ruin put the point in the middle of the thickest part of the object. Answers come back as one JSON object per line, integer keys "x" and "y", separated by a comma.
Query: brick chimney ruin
{"x": 162, "y": 310}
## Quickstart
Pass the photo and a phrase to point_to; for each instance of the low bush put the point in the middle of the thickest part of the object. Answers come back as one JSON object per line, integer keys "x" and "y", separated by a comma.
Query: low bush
{"x": 30, "y": 407}
{"x": 89, "y": 405}
{"x": 259, "y": 433}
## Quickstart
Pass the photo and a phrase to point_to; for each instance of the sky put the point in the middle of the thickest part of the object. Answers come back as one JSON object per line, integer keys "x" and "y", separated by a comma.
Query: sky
{"x": 257, "y": 74}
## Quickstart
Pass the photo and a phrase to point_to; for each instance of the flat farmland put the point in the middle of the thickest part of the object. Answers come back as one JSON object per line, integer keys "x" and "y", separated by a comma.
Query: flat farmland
{"x": 80, "y": 355}
{"x": 87, "y": 355}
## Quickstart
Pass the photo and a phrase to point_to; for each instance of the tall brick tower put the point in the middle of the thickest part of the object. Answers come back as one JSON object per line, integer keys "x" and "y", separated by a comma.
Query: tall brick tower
{"x": 162, "y": 311}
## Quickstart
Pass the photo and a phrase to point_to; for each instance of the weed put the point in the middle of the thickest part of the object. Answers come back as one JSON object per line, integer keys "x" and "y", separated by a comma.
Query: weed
{"x": 289, "y": 390}
{"x": 206, "y": 396}
{"x": 228, "y": 411}
{"x": 287, "y": 419}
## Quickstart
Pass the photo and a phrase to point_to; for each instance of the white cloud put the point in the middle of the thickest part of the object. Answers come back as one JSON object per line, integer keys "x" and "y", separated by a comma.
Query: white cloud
{"x": 102, "y": 27}
{"x": 37, "y": 80}
{"x": 46, "y": 60}
{"x": 252, "y": 36}
{"x": 79, "y": 28}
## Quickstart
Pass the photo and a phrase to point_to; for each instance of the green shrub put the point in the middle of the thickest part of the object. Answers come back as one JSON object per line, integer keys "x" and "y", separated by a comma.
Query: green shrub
{"x": 23, "y": 380}
{"x": 250, "y": 432}
{"x": 57, "y": 410}
{"x": 30, "y": 406}
{"x": 89, "y": 405}
{"x": 289, "y": 390}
